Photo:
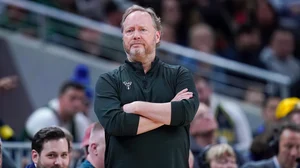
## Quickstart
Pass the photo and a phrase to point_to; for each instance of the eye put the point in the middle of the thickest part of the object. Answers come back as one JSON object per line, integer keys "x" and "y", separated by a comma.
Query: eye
{"x": 64, "y": 155}
{"x": 129, "y": 31}
{"x": 51, "y": 155}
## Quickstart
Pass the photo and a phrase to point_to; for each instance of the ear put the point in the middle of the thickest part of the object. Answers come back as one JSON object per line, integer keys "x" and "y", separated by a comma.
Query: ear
{"x": 157, "y": 36}
{"x": 94, "y": 149}
{"x": 35, "y": 156}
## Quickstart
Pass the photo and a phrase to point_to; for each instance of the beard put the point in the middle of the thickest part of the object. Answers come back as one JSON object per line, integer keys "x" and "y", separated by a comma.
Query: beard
{"x": 140, "y": 52}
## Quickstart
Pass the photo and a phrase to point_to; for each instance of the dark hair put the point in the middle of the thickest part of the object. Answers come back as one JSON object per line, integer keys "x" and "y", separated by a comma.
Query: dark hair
{"x": 46, "y": 134}
{"x": 70, "y": 84}
{"x": 246, "y": 29}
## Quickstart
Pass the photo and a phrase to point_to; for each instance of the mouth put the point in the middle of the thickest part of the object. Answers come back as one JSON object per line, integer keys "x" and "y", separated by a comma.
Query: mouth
{"x": 137, "y": 44}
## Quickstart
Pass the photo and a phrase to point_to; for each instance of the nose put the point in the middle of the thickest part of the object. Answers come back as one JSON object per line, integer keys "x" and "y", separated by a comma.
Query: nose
{"x": 58, "y": 161}
{"x": 136, "y": 35}
{"x": 294, "y": 152}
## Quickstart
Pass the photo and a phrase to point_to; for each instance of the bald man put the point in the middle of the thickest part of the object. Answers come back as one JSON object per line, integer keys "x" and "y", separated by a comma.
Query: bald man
{"x": 95, "y": 158}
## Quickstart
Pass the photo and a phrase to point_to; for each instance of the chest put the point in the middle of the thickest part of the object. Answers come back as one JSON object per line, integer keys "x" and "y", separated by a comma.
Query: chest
{"x": 157, "y": 87}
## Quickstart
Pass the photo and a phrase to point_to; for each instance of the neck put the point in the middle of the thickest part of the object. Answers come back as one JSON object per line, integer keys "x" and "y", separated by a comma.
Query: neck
{"x": 90, "y": 159}
{"x": 146, "y": 61}
{"x": 283, "y": 164}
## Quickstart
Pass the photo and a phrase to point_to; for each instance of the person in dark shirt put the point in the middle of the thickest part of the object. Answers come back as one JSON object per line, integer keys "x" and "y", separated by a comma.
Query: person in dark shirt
{"x": 146, "y": 105}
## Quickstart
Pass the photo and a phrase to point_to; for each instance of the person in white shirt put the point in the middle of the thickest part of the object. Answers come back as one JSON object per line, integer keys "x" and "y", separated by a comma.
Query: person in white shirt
{"x": 63, "y": 111}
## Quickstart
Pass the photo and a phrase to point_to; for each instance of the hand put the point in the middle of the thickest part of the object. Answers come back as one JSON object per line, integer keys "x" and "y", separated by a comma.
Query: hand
{"x": 130, "y": 107}
{"x": 8, "y": 82}
{"x": 184, "y": 94}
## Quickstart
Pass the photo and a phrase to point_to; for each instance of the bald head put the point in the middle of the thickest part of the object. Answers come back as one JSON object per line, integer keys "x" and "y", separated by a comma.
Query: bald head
{"x": 97, "y": 146}
{"x": 97, "y": 133}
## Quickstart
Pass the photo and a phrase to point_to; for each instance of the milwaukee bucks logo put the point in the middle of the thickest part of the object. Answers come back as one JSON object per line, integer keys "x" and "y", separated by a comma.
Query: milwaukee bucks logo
{"x": 127, "y": 84}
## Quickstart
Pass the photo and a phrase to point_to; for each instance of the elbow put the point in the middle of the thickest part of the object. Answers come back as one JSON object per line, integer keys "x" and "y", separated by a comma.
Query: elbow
{"x": 182, "y": 114}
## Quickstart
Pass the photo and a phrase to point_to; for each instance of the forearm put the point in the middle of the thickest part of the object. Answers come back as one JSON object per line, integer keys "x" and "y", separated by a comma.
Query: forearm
{"x": 157, "y": 112}
{"x": 146, "y": 125}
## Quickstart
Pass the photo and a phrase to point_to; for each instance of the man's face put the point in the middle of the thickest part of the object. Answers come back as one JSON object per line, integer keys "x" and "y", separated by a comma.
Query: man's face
{"x": 139, "y": 36}
{"x": 283, "y": 44}
{"x": 72, "y": 101}
{"x": 55, "y": 154}
{"x": 270, "y": 108}
{"x": 203, "y": 128}
{"x": 289, "y": 148}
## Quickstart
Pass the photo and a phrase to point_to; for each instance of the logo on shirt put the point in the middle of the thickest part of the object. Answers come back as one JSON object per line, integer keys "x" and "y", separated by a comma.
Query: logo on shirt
{"x": 127, "y": 84}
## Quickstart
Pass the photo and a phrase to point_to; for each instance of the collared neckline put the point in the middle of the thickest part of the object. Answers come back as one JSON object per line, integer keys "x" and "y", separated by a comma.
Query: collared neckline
{"x": 277, "y": 165}
{"x": 138, "y": 67}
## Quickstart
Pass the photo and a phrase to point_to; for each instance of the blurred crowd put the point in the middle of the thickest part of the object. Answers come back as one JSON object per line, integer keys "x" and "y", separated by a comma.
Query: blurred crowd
{"x": 261, "y": 33}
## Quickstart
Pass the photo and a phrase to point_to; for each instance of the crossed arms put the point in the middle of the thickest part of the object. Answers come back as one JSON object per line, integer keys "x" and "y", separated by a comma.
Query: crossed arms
{"x": 139, "y": 117}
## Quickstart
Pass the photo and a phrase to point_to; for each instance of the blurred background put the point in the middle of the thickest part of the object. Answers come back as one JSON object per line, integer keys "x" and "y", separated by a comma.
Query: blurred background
{"x": 243, "y": 53}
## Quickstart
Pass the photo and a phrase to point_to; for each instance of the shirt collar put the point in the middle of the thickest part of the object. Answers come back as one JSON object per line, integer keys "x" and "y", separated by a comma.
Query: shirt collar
{"x": 276, "y": 163}
{"x": 137, "y": 66}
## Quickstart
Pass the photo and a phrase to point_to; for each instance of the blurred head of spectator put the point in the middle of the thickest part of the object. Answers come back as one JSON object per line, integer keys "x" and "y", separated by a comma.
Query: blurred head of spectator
{"x": 71, "y": 99}
{"x": 168, "y": 33}
{"x": 254, "y": 95}
{"x": 269, "y": 108}
{"x": 90, "y": 41}
{"x": 247, "y": 39}
{"x": 81, "y": 75}
{"x": 204, "y": 126}
{"x": 265, "y": 14}
{"x": 202, "y": 38}
{"x": 289, "y": 109}
{"x": 171, "y": 12}
{"x": 96, "y": 147}
{"x": 220, "y": 155}
{"x": 204, "y": 90}
{"x": 282, "y": 43}
{"x": 50, "y": 148}
{"x": 113, "y": 14}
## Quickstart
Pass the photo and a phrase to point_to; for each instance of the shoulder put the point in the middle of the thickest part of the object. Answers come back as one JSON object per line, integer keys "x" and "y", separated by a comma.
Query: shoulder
{"x": 173, "y": 68}
{"x": 111, "y": 75}
{"x": 258, "y": 164}
{"x": 42, "y": 113}
{"x": 39, "y": 119}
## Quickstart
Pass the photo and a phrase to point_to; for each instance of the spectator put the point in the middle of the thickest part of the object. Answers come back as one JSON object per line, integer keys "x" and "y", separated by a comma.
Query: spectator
{"x": 50, "y": 148}
{"x": 266, "y": 18}
{"x": 248, "y": 45}
{"x": 85, "y": 145}
{"x": 233, "y": 124}
{"x": 268, "y": 113}
{"x": 289, "y": 110}
{"x": 96, "y": 148}
{"x": 286, "y": 144}
{"x": 63, "y": 111}
{"x": 81, "y": 74}
{"x": 220, "y": 155}
{"x": 204, "y": 132}
{"x": 278, "y": 57}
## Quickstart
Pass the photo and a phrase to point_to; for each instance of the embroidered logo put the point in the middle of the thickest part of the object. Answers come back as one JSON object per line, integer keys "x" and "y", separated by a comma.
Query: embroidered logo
{"x": 127, "y": 84}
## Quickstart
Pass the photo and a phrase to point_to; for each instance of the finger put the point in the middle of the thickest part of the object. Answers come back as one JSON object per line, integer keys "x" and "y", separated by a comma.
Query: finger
{"x": 186, "y": 93}
{"x": 184, "y": 90}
